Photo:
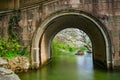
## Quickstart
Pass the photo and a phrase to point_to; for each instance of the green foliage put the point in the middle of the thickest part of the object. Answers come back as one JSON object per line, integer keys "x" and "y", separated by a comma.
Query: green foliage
{"x": 14, "y": 29}
{"x": 23, "y": 52}
{"x": 82, "y": 48}
{"x": 60, "y": 48}
{"x": 10, "y": 48}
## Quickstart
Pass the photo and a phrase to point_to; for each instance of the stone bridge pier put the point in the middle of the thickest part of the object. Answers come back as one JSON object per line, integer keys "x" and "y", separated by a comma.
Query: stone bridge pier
{"x": 40, "y": 20}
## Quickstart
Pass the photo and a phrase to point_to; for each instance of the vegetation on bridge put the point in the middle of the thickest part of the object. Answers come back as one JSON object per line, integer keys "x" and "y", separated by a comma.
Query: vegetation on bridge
{"x": 11, "y": 48}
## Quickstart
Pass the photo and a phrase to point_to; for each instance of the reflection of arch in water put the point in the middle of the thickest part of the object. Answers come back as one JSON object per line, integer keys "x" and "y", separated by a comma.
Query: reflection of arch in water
{"x": 70, "y": 18}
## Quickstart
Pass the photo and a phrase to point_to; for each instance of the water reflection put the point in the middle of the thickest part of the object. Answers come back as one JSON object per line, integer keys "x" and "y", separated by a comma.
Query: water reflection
{"x": 85, "y": 66}
{"x": 70, "y": 68}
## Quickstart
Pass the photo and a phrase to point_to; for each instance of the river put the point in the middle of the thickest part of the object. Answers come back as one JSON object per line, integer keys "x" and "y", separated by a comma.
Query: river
{"x": 70, "y": 67}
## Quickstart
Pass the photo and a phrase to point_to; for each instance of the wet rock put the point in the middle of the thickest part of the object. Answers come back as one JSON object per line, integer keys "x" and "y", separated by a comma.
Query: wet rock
{"x": 6, "y": 74}
{"x": 89, "y": 51}
{"x": 79, "y": 52}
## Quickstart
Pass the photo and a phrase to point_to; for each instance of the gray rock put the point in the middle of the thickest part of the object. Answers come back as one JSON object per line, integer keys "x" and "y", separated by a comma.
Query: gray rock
{"x": 3, "y": 61}
{"x": 4, "y": 71}
{"x": 9, "y": 77}
{"x": 6, "y": 74}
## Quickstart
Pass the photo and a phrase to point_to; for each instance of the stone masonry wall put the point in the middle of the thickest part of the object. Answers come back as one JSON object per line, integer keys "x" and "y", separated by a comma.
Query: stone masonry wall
{"x": 31, "y": 17}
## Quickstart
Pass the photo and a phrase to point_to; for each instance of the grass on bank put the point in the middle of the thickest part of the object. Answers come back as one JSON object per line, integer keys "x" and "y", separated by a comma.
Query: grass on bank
{"x": 64, "y": 49}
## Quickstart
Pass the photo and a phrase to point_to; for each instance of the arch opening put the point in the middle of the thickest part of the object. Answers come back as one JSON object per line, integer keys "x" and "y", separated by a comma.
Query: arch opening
{"x": 97, "y": 32}
{"x": 70, "y": 41}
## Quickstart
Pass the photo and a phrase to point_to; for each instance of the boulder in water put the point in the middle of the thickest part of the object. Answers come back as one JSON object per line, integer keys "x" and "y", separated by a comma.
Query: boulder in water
{"x": 79, "y": 52}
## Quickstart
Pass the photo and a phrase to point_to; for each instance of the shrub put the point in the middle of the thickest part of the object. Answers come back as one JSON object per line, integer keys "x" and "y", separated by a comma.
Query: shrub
{"x": 10, "y": 48}
{"x": 60, "y": 48}
{"x": 82, "y": 48}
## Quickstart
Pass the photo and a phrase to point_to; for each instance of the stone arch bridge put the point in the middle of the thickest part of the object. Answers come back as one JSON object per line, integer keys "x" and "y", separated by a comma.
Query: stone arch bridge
{"x": 39, "y": 21}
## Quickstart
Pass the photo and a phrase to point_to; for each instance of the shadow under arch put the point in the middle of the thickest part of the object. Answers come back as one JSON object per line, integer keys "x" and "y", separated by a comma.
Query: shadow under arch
{"x": 71, "y": 18}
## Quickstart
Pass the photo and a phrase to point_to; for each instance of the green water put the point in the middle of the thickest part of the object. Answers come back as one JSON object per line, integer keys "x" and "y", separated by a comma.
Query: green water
{"x": 70, "y": 67}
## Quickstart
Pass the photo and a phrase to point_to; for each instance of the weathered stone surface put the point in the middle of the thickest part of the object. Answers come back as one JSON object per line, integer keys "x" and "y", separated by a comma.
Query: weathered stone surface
{"x": 4, "y": 71}
{"x": 19, "y": 64}
{"x": 99, "y": 9}
{"x": 6, "y": 74}
{"x": 3, "y": 61}
{"x": 9, "y": 77}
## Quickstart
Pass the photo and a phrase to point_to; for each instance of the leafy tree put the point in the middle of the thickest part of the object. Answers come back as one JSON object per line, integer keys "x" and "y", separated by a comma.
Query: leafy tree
{"x": 74, "y": 38}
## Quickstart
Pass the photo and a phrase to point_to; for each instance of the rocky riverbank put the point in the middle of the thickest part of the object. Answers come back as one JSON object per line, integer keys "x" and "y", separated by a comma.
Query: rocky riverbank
{"x": 16, "y": 64}
{"x": 19, "y": 64}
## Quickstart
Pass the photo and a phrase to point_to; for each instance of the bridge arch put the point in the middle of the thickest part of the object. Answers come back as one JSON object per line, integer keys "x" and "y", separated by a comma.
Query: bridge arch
{"x": 71, "y": 18}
